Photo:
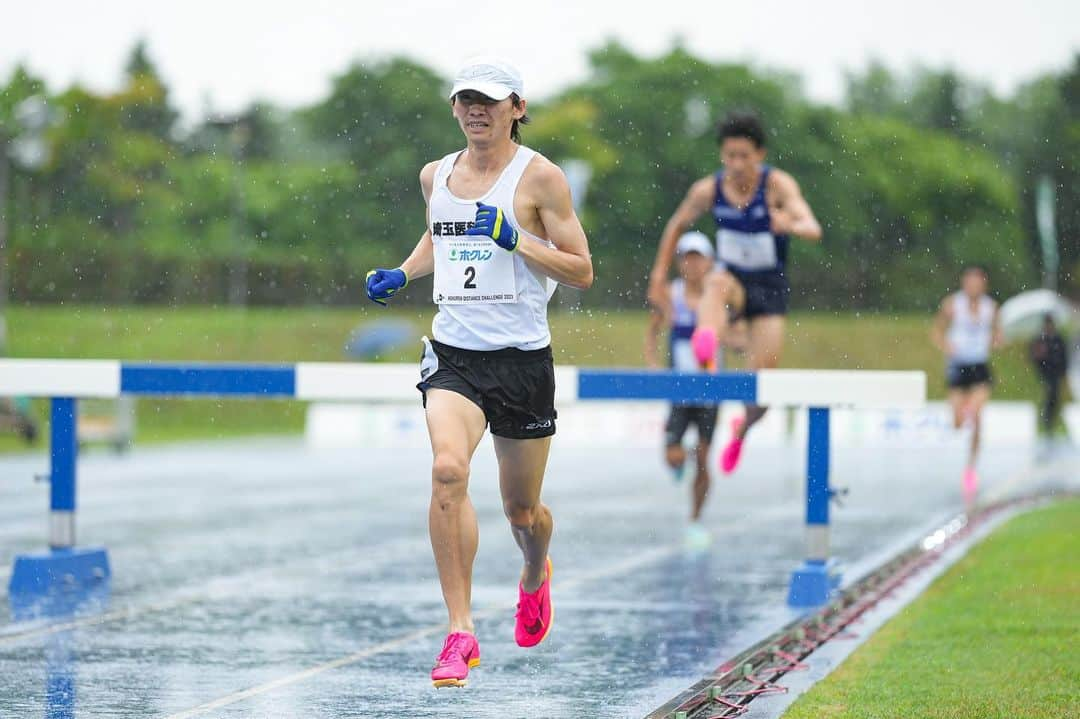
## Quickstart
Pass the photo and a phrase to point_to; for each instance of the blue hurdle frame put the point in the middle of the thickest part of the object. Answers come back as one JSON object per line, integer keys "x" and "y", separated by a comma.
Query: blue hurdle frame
{"x": 66, "y": 566}
{"x": 815, "y": 581}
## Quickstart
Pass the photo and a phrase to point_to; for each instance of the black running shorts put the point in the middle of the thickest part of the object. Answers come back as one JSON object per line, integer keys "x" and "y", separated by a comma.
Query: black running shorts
{"x": 966, "y": 376}
{"x": 765, "y": 295}
{"x": 514, "y": 388}
{"x": 683, "y": 415}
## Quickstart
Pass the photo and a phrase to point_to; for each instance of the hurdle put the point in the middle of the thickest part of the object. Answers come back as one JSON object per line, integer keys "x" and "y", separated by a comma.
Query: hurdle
{"x": 64, "y": 382}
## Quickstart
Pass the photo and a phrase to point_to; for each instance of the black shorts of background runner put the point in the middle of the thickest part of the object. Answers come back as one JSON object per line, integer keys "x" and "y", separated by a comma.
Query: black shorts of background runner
{"x": 683, "y": 415}
{"x": 514, "y": 388}
{"x": 966, "y": 376}
{"x": 765, "y": 294}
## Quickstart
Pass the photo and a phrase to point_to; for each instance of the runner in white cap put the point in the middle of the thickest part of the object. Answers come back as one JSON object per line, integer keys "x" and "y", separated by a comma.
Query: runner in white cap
{"x": 501, "y": 234}
{"x": 683, "y": 296}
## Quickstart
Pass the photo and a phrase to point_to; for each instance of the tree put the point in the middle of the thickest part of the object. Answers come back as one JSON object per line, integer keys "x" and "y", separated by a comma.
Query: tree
{"x": 144, "y": 101}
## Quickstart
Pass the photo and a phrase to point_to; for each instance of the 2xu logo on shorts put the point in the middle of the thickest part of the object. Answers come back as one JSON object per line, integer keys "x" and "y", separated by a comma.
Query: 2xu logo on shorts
{"x": 546, "y": 424}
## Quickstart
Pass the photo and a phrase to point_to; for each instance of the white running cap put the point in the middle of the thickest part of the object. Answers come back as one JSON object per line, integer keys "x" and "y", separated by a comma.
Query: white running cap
{"x": 694, "y": 242}
{"x": 492, "y": 76}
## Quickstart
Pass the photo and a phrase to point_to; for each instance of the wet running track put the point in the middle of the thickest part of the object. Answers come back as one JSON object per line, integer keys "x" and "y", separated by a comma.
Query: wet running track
{"x": 262, "y": 579}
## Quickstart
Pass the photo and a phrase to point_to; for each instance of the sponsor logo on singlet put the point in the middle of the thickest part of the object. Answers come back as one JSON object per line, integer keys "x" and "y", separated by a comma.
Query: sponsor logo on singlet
{"x": 450, "y": 229}
{"x": 726, "y": 211}
{"x": 470, "y": 255}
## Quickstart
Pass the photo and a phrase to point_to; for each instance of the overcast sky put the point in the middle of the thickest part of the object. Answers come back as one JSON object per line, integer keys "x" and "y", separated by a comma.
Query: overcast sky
{"x": 230, "y": 53}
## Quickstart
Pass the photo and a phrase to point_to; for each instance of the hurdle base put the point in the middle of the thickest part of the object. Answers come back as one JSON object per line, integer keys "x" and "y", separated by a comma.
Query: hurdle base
{"x": 813, "y": 584}
{"x": 59, "y": 570}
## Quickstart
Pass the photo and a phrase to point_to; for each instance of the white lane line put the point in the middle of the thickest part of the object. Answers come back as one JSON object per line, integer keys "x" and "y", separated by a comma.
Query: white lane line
{"x": 92, "y": 620}
{"x": 627, "y": 565}
{"x": 307, "y": 673}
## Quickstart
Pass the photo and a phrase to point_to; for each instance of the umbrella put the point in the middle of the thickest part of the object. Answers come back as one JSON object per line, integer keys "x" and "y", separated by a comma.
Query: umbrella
{"x": 1022, "y": 316}
{"x": 370, "y": 340}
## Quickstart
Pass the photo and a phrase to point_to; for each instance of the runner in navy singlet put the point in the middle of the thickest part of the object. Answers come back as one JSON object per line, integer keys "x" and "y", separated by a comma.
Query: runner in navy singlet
{"x": 756, "y": 208}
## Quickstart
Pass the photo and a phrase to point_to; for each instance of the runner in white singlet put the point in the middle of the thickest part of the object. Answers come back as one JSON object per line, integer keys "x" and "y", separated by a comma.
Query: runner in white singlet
{"x": 966, "y": 329}
{"x": 501, "y": 234}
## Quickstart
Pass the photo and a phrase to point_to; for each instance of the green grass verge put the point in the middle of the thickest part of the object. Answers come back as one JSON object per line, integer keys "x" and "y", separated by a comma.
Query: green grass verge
{"x": 588, "y": 338}
{"x": 998, "y": 635}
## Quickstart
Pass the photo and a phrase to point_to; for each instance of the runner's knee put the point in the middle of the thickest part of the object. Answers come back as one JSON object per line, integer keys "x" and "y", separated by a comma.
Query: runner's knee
{"x": 720, "y": 283}
{"x": 675, "y": 455}
{"x": 521, "y": 514}
{"x": 449, "y": 477}
{"x": 702, "y": 454}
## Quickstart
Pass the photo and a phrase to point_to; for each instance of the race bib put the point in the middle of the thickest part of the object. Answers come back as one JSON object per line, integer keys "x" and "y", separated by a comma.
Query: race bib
{"x": 470, "y": 270}
{"x": 747, "y": 250}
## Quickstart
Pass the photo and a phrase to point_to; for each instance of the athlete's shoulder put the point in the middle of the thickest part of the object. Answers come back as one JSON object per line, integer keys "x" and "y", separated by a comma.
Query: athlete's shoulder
{"x": 427, "y": 176}
{"x": 780, "y": 179}
{"x": 428, "y": 171}
{"x": 545, "y": 181}
{"x": 542, "y": 170}
{"x": 704, "y": 189}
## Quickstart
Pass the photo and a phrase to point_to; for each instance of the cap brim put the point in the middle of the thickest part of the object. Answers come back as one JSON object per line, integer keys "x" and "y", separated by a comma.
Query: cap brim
{"x": 494, "y": 90}
{"x": 702, "y": 248}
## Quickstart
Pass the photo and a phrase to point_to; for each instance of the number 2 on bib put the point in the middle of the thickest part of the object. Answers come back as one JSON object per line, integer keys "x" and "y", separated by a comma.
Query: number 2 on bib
{"x": 473, "y": 270}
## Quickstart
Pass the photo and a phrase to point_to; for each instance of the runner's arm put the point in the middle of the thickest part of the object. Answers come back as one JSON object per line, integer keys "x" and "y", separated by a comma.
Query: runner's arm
{"x": 791, "y": 213}
{"x": 997, "y": 339}
{"x": 699, "y": 198}
{"x": 421, "y": 261}
{"x": 941, "y": 322}
{"x": 569, "y": 261}
{"x": 652, "y": 335}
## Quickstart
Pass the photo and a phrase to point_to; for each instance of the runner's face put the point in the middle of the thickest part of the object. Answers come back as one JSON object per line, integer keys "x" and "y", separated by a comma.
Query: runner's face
{"x": 741, "y": 158}
{"x": 483, "y": 119}
{"x": 974, "y": 283}
{"x": 694, "y": 266}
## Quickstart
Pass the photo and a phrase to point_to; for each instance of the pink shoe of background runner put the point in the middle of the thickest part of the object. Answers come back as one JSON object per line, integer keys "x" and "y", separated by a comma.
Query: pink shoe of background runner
{"x": 704, "y": 343}
{"x": 970, "y": 483}
{"x": 729, "y": 458}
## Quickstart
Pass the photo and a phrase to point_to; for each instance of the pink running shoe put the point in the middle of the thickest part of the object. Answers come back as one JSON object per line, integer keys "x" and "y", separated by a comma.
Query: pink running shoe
{"x": 460, "y": 653}
{"x": 729, "y": 458}
{"x": 534, "y": 613}
{"x": 970, "y": 482}
{"x": 704, "y": 344}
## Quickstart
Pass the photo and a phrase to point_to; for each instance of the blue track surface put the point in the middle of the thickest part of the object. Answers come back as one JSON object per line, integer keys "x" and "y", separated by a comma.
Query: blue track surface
{"x": 244, "y": 565}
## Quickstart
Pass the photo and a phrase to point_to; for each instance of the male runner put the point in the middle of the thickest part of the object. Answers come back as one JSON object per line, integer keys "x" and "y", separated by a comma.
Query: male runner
{"x": 683, "y": 295}
{"x": 966, "y": 329}
{"x": 501, "y": 234}
{"x": 756, "y": 207}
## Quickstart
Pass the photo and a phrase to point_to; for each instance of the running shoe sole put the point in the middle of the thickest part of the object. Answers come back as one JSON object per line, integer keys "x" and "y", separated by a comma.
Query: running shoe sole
{"x": 440, "y": 683}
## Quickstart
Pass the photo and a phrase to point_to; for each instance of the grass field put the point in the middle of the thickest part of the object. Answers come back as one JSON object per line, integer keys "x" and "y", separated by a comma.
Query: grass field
{"x": 998, "y": 635}
{"x": 591, "y": 338}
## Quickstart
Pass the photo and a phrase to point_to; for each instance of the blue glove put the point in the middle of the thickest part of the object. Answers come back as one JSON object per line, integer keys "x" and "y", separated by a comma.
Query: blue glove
{"x": 491, "y": 222}
{"x": 383, "y": 284}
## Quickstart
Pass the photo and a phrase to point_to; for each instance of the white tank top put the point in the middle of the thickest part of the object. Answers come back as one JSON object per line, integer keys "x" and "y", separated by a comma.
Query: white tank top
{"x": 479, "y": 324}
{"x": 971, "y": 332}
